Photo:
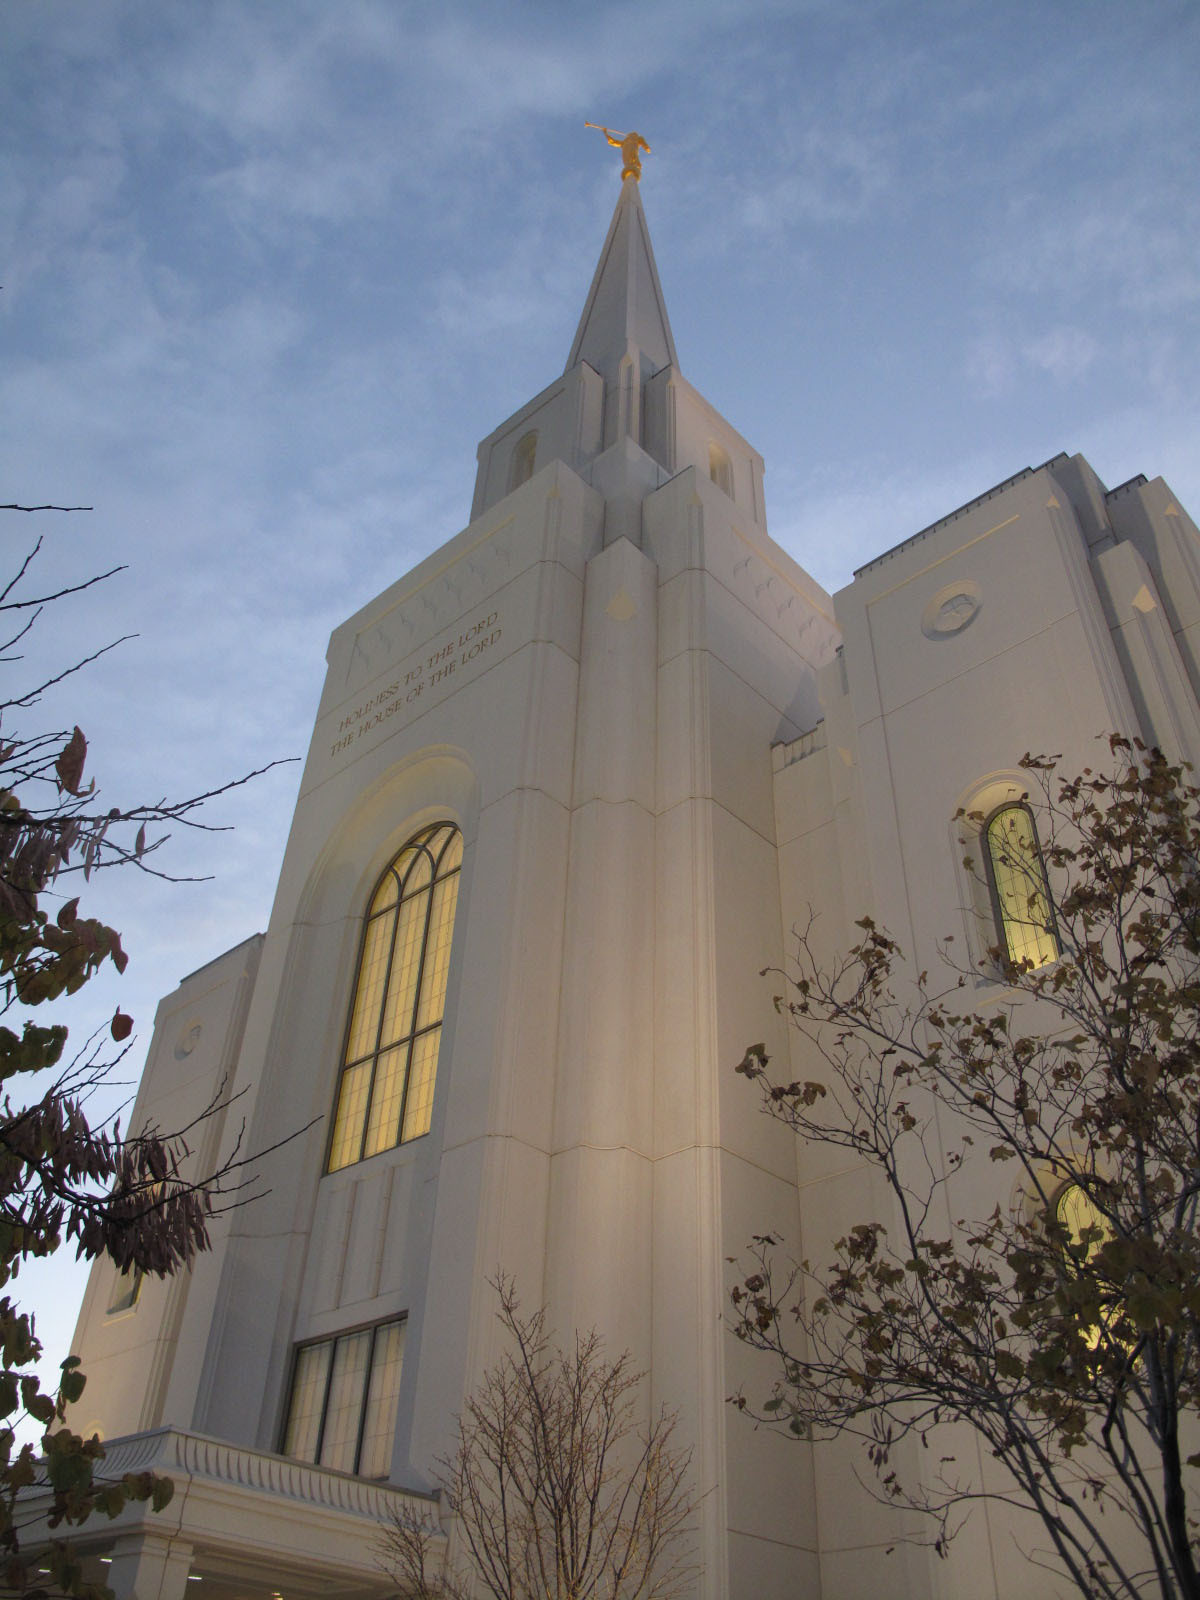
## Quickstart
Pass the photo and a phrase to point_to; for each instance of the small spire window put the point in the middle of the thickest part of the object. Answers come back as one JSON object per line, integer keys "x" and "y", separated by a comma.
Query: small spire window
{"x": 720, "y": 469}
{"x": 523, "y": 459}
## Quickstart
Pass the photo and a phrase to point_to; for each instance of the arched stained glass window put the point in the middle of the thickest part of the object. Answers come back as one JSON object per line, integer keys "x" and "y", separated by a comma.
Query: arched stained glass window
{"x": 385, "y": 1096}
{"x": 1017, "y": 880}
{"x": 1086, "y": 1229}
{"x": 1081, "y": 1218}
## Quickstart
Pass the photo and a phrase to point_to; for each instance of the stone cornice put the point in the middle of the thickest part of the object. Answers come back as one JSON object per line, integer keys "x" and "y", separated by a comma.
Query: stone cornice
{"x": 194, "y": 1456}
{"x": 240, "y": 1504}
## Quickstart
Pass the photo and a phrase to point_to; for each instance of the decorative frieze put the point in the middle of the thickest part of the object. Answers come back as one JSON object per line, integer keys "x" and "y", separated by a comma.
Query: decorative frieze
{"x": 768, "y": 594}
{"x": 201, "y": 1460}
{"x": 446, "y": 596}
{"x": 787, "y": 753}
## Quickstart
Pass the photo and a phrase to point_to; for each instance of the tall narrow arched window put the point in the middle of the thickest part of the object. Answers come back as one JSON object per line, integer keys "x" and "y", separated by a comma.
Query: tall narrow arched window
{"x": 1017, "y": 881}
{"x": 385, "y": 1095}
{"x": 523, "y": 458}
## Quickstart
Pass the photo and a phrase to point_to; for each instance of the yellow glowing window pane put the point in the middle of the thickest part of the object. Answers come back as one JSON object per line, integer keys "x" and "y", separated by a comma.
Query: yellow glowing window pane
{"x": 372, "y": 975}
{"x": 437, "y": 952}
{"x": 387, "y": 893}
{"x": 419, "y": 870}
{"x": 308, "y": 1398}
{"x": 422, "y": 1074}
{"x": 385, "y": 1101}
{"x": 1019, "y": 879}
{"x": 343, "y": 1410}
{"x": 1079, "y": 1214}
{"x": 348, "y": 1125}
{"x": 406, "y": 967}
{"x": 451, "y": 858}
{"x": 400, "y": 995}
{"x": 380, "y": 1426}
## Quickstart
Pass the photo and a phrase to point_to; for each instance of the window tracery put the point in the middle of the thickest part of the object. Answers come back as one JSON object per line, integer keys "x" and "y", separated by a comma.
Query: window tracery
{"x": 389, "y": 1062}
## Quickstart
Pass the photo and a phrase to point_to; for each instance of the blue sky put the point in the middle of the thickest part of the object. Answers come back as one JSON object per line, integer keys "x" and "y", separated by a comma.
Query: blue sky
{"x": 271, "y": 270}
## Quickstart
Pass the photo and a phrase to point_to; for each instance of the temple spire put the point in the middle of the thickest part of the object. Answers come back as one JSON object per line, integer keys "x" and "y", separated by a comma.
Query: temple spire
{"x": 625, "y": 305}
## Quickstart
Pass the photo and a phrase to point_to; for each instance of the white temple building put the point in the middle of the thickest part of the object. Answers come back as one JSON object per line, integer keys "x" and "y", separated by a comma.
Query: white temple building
{"x": 573, "y": 779}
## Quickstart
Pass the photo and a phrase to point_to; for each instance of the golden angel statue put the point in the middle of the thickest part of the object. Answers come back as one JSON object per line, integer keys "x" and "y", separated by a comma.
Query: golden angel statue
{"x": 629, "y": 145}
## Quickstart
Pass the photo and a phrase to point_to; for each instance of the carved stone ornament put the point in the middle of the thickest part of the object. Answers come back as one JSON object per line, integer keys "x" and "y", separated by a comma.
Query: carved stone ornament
{"x": 187, "y": 1041}
{"x": 951, "y": 610}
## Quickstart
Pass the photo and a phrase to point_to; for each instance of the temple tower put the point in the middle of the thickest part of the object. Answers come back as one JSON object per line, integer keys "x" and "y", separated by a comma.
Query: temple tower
{"x": 573, "y": 779}
{"x": 579, "y": 688}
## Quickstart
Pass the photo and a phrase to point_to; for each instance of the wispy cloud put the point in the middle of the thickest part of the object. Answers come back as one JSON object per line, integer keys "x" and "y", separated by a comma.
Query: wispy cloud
{"x": 997, "y": 362}
{"x": 270, "y": 271}
{"x": 832, "y": 527}
{"x": 1139, "y": 250}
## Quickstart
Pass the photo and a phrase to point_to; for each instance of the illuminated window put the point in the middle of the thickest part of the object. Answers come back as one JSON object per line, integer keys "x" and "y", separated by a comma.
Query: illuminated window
{"x": 342, "y": 1409}
{"x": 385, "y": 1095}
{"x": 720, "y": 469}
{"x": 1017, "y": 881}
{"x": 1080, "y": 1218}
{"x": 126, "y": 1290}
{"x": 523, "y": 458}
{"x": 1086, "y": 1228}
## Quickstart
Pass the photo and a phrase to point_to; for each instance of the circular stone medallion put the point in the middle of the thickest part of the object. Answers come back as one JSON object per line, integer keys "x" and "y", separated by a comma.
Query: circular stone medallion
{"x": 187, "y": 1041}
{"x": 951, "y": 610}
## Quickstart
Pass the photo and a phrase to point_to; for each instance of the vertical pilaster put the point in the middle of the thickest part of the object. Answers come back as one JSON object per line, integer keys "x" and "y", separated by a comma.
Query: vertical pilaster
{"x": 599, "y": 1268}
{"x": 150, "y": 1566}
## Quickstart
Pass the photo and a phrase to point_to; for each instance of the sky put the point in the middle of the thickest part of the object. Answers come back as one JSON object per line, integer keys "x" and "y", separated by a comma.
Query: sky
{"x": 272, "y": 268}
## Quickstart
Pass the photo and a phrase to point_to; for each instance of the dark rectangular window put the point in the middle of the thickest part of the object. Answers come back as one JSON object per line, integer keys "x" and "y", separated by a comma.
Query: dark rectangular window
{"x": 126, "y": 1290}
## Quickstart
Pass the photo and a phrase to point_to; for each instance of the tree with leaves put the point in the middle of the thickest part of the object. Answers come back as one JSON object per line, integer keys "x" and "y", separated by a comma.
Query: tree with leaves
{"x": 127, "y": 1196}
{"x": 559, "y": 1493}
{"x": 1060, "y": 1319}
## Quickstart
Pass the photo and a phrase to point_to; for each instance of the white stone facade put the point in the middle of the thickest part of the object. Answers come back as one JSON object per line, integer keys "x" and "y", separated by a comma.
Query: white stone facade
{"x": 660, "y": 748}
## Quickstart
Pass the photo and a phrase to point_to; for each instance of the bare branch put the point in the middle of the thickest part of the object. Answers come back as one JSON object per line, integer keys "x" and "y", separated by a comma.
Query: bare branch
{"x": 32, "y": 696}
{"x": 560, "y": 1489}
{"x": 1064, "y": 1332}
{"x": 12, "y": 507}
{"x": 143, "y": 1199}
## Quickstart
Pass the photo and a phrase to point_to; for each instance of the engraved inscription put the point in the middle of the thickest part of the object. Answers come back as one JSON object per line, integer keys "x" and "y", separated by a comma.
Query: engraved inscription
{"x": 451, "y": 657}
